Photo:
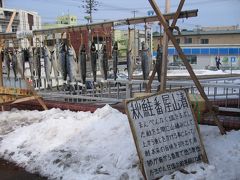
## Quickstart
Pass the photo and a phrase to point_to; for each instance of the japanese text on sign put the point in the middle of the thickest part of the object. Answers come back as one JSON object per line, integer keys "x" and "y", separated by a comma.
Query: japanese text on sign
{"x": 165, "y": 131}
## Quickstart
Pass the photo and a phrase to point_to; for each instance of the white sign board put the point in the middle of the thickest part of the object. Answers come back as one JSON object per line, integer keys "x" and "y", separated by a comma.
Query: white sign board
{"x": 24, "y": 34}
{"x": 165, "y": 132}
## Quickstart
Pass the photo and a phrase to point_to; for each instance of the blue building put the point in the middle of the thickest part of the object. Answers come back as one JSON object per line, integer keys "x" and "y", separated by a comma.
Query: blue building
{"x": 202, "y": 46}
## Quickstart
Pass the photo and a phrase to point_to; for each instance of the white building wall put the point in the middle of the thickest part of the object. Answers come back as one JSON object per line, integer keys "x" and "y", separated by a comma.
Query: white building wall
{"x": 24, "y": 25}
{"x": 203, "y": 62}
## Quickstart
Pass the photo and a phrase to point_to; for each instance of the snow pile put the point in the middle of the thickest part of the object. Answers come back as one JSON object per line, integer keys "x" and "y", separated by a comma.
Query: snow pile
{"x": 72, "y": 145}
{"x": 198, "y": 72}
{"x": 83, "y": 146}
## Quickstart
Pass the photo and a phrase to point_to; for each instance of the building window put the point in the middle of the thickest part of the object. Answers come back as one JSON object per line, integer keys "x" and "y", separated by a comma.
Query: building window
{"x": 50, "y": 42}
{"x": 192, "y": 59}
{"x": 99, "y": 39}
{"x": 204, "y": 41}
{"x": 187, "y": 40}
{"x": 4, "y": 28}
{"x": 14, "y": 28}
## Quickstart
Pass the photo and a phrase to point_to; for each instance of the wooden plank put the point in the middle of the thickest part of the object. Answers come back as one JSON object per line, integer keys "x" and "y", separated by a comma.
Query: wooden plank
{"x": 164, "y": 63}
{"x": 186, "y": 63}
{"x": 9, "y": 27}
{"x": 149, "y": 85}
{"x": 168, "y": 16}
{"x": 15, "y": 91}
{"x": 41, "y": 102}
{"x": 7, "y": 98}
{"x": 25, "y": 99}
{"x": 1, "y": 70}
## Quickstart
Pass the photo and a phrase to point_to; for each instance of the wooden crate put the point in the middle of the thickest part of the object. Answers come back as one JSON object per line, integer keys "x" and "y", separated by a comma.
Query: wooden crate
{"x": 198, "y": 105}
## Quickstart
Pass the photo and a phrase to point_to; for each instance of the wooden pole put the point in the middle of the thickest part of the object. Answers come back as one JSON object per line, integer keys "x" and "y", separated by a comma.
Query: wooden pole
{"x": 1, "y": 71}
{"x": 164, "y": 63}
{"x": 132, "y": 63}
{"x": 11, "y": 21}
{"x": 186, "y": 63}
{"x": 89, "y": 43}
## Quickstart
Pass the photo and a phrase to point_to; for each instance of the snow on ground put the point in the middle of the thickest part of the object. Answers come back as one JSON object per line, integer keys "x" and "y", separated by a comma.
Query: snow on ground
{"x": 84, "y": 146}
{"x": 198, "y": 72}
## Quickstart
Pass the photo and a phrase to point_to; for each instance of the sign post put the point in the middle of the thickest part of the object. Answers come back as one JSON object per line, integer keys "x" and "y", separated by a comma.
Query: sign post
{"x": 165, "y": 132}
{"x": 24, "y": 34}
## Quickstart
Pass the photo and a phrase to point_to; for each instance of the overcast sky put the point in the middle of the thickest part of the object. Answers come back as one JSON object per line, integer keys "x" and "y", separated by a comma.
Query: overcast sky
{"x": 211, "y": 12}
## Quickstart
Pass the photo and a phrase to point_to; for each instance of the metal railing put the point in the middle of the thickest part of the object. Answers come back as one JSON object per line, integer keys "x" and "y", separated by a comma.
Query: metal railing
{"x": 111, "y": 91}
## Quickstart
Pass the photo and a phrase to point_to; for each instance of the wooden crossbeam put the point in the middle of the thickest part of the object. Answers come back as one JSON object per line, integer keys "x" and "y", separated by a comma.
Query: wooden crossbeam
{"x": 7, "y": 98}
{"x": 25, "y": 99}
{"x": 121, "y": 22}
{"x": 186, "y": 63}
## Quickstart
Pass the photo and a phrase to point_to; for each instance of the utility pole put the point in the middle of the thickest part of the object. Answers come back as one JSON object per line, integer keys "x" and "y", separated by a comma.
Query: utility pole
{"x": 134, "y": 36}
{"x": 90, "y": 6}
{"x": 68, "y": 18}
{"x": 167, "y": 6}
{"x": 90, "y": 10}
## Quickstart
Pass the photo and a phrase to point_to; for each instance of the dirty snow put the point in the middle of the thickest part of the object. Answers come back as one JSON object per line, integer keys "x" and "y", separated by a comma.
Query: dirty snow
{"x": 84, "y": 146}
